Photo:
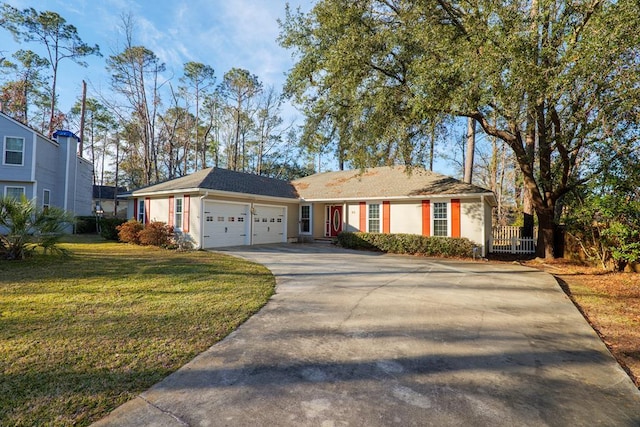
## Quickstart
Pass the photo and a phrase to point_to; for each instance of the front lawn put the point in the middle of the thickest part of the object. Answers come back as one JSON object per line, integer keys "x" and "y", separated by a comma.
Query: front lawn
{"x": 83, "y": 334}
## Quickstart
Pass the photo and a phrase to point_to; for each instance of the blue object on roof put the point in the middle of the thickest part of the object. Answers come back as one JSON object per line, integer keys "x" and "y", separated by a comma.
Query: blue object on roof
{"x": 66, "y": 133}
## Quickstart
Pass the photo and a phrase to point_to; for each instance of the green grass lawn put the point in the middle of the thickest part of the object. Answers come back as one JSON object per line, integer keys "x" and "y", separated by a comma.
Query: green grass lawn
{"x": 80, "y": 335}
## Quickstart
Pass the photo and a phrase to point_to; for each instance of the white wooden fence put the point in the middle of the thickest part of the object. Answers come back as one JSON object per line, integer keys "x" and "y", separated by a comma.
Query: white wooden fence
{"x": 509, "y": 240}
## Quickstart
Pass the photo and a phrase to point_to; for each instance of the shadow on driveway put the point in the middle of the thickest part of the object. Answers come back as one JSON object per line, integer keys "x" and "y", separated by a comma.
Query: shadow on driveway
{"x": 365, "y": 339}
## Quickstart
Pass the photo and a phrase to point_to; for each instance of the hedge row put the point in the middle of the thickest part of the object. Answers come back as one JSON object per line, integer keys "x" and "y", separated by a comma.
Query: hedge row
{"x": 408, "y": 244}
{"x": 92, "y": 224}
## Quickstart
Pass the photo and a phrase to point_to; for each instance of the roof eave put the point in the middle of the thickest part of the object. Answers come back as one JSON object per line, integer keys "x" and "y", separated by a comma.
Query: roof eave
{"x": 406, "y": 197}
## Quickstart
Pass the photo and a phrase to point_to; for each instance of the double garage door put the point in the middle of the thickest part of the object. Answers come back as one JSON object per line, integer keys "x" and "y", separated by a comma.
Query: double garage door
{"x": 232, "y": 224}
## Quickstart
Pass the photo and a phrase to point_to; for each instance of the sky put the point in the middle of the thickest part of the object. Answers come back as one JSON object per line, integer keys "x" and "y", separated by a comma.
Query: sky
{"x": 220, "y": 33}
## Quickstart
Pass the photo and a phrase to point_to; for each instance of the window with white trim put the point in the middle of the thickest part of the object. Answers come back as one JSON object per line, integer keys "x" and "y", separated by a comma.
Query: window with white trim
{"x": 14, "y": 192}
{"x": 178, "y": 213}
{"x": 305, "y": 219}
{"x": 141, "y": 211}
{"x": 46, "y": 199}
{"x": 440, "y": 219}
{"x": 374, "y": 218}
{"x": 13, "y": 151}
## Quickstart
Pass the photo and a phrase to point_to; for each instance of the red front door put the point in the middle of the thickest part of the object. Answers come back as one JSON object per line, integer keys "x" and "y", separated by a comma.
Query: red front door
{"x": 335, "y": 220}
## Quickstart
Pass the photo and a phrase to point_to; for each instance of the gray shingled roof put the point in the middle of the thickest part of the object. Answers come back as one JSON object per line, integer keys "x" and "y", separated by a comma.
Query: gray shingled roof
{"x": 381, "y": 182}
{"x": 226, "y": 180}
{"x": 107, "y": 191}
{"x": 372, "y": 183}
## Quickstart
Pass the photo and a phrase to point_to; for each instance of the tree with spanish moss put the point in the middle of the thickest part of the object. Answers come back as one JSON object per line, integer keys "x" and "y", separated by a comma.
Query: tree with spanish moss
{"x": 557, "y": 81}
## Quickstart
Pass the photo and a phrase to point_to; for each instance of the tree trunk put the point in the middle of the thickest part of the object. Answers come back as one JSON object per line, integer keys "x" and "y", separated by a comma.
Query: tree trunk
{"x": 53, "y": 99}
{"x": 116, "y": 178}
{"x": 471, "y": 148}
{"x": 527, "y": 203}
{"x": 432, "y": 149}
{"x": 545, "y": 243}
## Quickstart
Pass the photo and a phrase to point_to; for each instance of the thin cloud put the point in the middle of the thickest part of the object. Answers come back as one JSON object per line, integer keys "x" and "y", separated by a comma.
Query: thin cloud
{"x": 220, "y": 33}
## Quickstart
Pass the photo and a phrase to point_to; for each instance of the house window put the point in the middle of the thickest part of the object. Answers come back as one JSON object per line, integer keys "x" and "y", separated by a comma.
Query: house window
{"x": 141, "y": 211}
{"x": 440, "y": 220}
{"x": 305, "y": 219}
{"x": 374, "y": 218}
{"x": 14, "y": 192}
{"x": 13, "y": 151}
{"x": 178, "y": 214}
{"x": 46, "y": 199}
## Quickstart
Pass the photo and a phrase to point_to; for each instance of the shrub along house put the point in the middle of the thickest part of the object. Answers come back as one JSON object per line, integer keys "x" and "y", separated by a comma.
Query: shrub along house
{"x": 393, "y": 200}
{"x": 218, "y": 207}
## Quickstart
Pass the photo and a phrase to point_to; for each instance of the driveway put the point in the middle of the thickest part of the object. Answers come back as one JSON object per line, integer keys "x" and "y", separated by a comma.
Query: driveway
{"x": 365, "y": 339}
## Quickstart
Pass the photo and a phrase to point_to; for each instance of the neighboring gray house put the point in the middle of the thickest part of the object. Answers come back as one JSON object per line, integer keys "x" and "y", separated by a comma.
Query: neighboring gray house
{"x": 107, "y": 203}
{"x": 49, "y": 171}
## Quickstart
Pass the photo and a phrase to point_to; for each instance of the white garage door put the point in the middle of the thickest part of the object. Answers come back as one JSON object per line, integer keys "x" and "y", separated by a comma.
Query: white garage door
{"x": 225, "y": 224}
{"x": 269, "y": 224}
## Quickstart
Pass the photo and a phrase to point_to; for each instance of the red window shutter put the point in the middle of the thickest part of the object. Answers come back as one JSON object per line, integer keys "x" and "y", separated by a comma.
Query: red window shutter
{"x": 363, "y": 216}
{"x": 135, "y": 208}
{"x": 185, "y": 213}
{"x": 147, "y": 209}
{"x": 426, "y": 218}
{"x": 171, "y": 211}
{"x": 455, "y": 218}
{"x": 386, "y": 217}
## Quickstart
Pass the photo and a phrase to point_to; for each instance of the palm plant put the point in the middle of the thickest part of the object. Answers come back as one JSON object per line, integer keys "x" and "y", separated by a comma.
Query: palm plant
{"x": 24, "y": 226}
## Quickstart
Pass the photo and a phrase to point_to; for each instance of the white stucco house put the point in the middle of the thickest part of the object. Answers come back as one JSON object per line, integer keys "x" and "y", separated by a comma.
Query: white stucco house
{"x": 218, "y": 207}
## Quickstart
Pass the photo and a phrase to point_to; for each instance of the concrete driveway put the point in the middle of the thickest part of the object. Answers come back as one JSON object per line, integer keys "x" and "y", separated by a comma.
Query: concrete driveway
{"x": 364, "y": 339}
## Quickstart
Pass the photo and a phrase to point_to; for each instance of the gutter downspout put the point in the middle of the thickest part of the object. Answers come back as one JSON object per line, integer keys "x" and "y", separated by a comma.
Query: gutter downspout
{"x": 202, "y": 198}
{"x": 33, "y": 167}
{"x": 75, "y": 185}
{"x": 66, "y": 176}
{"x": 252, "y": 210}
{"x": 484, "y": 227}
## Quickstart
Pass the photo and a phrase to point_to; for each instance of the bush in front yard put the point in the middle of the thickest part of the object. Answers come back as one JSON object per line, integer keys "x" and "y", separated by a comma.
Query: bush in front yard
{"x": 129, "y": 232}
{"x": 109, "y": 227}
{"x": 86, "y": 224}
{"x": 156, "y": 234}
{"x": 408, "y": 244}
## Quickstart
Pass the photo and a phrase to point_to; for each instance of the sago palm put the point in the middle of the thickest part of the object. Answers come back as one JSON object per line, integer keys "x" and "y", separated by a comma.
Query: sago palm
{"x": 24, "y": 226}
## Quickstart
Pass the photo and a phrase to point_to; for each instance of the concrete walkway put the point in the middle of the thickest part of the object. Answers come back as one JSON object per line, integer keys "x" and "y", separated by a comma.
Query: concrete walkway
{"x": 364, "y": 339}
